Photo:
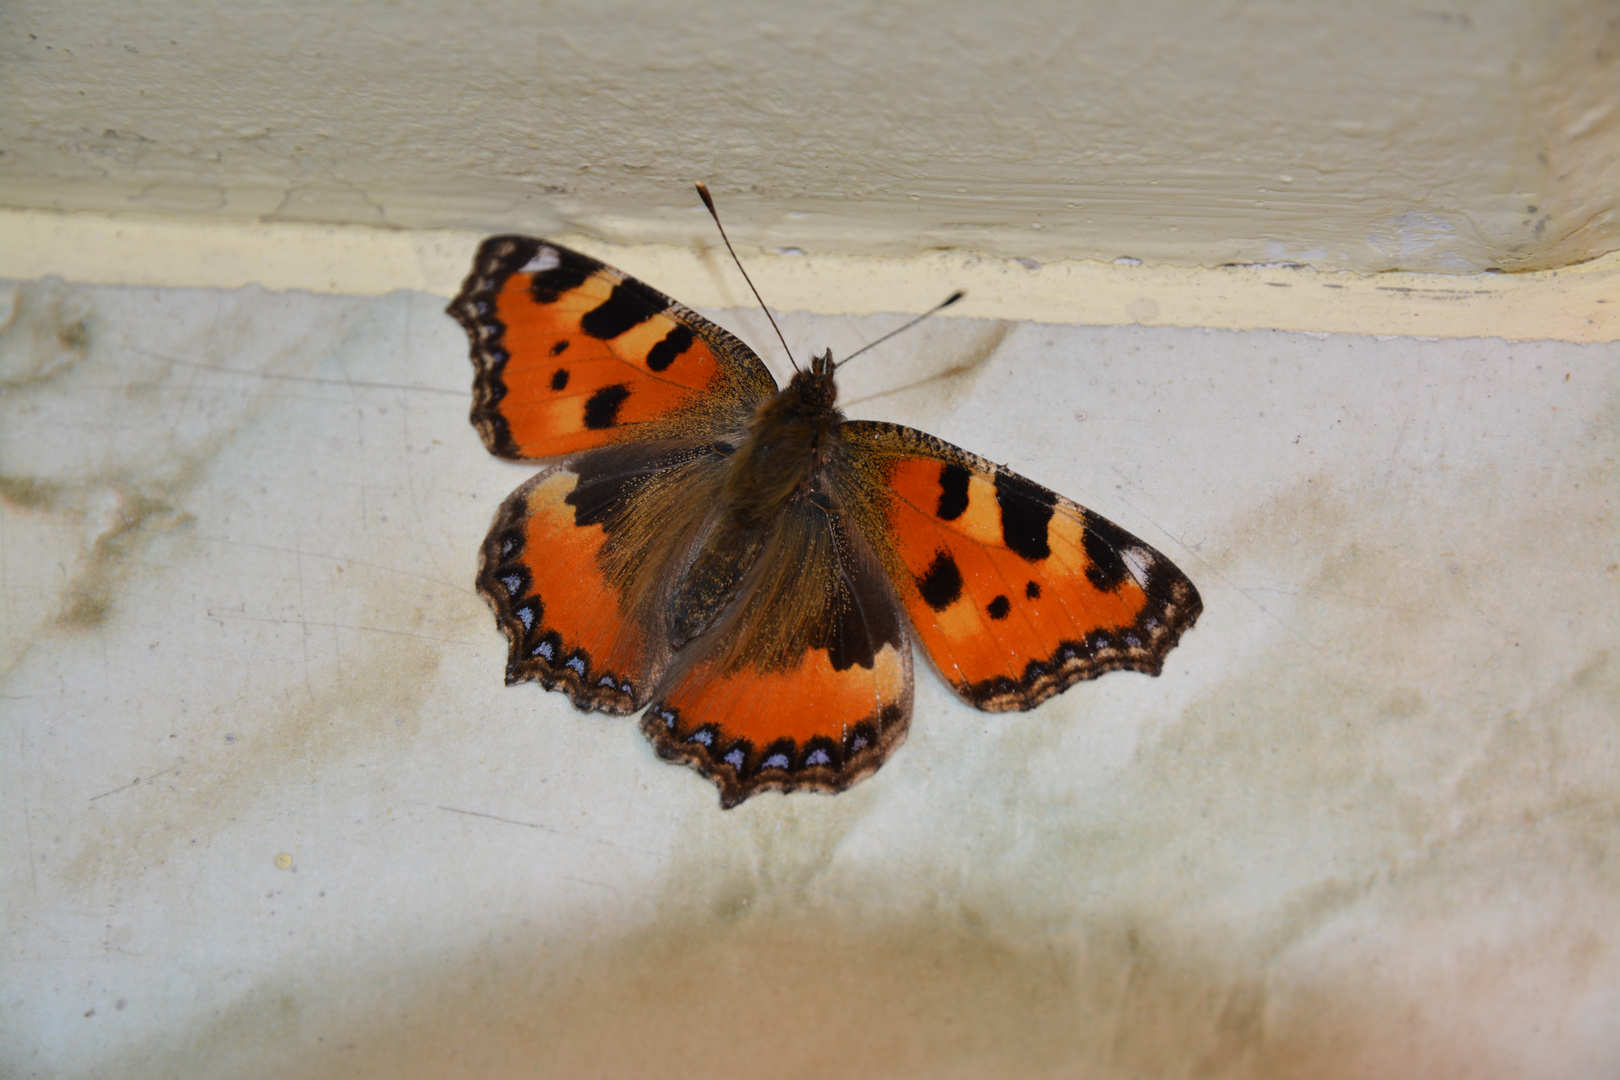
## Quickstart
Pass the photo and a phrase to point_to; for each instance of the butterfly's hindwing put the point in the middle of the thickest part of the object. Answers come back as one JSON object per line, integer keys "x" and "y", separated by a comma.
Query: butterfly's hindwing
{"x": 574, "y": 567}
{"x": 806, "y": 681}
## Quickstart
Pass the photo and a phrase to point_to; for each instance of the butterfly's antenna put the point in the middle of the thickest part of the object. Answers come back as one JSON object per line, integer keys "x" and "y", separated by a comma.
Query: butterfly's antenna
{"x": 703, "y": 193}
{"x": 941, "y": 306}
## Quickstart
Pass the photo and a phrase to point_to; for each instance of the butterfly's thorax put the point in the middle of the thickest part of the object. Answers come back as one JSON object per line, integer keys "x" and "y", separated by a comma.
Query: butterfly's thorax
{"x": 785, "y": 445}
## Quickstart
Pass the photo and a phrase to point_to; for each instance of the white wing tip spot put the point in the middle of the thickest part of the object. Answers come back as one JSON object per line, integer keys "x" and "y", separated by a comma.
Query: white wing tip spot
{"x": 545, "y": 259}
{"x": 1140, "y": 561}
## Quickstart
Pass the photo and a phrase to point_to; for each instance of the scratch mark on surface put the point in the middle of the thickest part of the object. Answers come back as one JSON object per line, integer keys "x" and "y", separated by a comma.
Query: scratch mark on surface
{"x": 1377, "y": 605}
{"x": 180, "y": 409}
{"x": 347, "y": 383}
{"x": 583, "y": 881}
{"x": 553, "y": 831}
{"x": 28, "y": 824}
{"x": 1394, "y": 452}
{"x": 227, "y": 541}
{"x": 28, "y": 828}
{"x": 504, "y": 820}
{"x": 298, "y": 560}
{"x": 1234, "y": 586}
{"x": 1417, "y": 377}
{"x": 222, "y": 615}
{"x": 358, "y": 412}
{"x": 137, "y": 780}
{"x": 410, "y": 467}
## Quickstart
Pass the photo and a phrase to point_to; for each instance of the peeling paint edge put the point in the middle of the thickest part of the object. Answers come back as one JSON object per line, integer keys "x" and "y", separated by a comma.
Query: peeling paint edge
{"x": 1578, "y": 303}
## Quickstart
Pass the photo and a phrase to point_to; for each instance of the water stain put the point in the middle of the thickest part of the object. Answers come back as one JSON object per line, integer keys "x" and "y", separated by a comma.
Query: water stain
{"x": 48, "y": 329}
{"x": 222, "y": 780}
{"x": 791, "y": 994}
{"x": 134, "y": 520}
{"x": 867, "y": 991}
{"x": 125, "y": 481}
{"x": 29, "y": 493}
{"x": 118, "y": 520}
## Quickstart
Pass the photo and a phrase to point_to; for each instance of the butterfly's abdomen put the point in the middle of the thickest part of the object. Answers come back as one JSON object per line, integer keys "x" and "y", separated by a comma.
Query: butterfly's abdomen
{"x": 707, "y": 586}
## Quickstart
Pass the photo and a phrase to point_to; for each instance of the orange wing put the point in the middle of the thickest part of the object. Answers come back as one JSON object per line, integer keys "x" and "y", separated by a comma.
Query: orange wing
{"x": 572, "y": 354}
{"x": 1016, "y": 592}
{"x": 574, "y": 563}
{"x": 806, "y": 684}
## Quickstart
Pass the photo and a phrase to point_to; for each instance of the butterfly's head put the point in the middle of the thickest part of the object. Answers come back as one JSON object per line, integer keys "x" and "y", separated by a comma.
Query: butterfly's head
{"x": 813, "y": 389}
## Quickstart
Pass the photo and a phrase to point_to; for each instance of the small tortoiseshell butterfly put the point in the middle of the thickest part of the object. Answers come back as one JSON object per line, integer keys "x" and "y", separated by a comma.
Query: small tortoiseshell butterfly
{"x": 751, "y": 564}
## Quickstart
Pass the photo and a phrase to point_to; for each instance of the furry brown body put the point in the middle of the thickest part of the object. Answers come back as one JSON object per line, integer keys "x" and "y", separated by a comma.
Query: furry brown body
{"x": 786, "y": 446}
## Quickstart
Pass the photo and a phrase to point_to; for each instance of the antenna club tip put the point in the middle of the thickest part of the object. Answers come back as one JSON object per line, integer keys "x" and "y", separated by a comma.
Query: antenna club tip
{"x": 703, "y": 193}
{"x": 953, "y": 298}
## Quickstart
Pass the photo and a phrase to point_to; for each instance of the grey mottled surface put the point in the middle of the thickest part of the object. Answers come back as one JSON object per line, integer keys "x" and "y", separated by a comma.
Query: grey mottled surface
{"x": 269, "y": 810}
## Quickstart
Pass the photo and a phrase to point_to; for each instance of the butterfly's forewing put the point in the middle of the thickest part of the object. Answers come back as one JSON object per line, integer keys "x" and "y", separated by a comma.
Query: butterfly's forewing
{"x": 806, "y": 683}
{"x": 1015, "y": 591}
{"x": 572, "y": 354}
{"x": 575, "y": 566}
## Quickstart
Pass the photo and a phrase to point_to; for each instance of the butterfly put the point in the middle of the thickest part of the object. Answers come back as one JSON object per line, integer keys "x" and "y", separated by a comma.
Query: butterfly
{"x": 748, "y": 567}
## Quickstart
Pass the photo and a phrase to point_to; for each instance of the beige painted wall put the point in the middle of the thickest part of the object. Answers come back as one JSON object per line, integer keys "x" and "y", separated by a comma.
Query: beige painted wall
{"x": 1368, "y": 136}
